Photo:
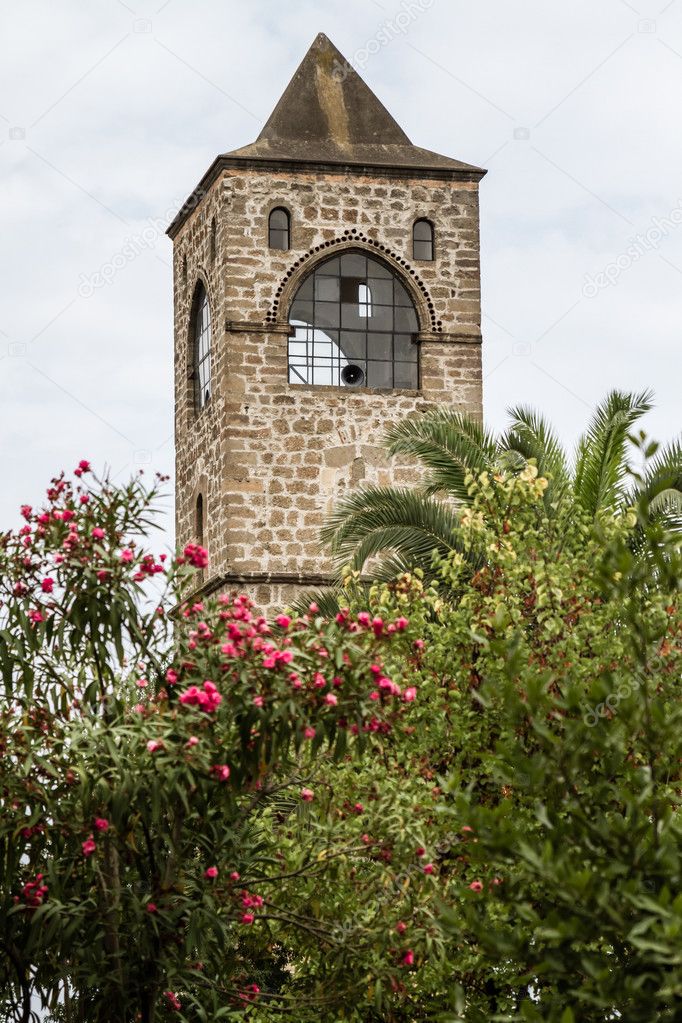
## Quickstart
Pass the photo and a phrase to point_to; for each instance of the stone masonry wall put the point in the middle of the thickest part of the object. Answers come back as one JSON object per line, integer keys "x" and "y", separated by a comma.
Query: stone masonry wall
{"x": 269, "y": 458}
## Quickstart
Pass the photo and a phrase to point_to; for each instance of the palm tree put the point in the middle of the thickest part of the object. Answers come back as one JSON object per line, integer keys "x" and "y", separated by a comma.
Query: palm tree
{"x": 400, "y": 528}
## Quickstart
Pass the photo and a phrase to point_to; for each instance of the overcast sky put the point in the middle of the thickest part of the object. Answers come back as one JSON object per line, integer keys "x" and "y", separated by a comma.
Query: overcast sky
{"x": 110, "y": 112}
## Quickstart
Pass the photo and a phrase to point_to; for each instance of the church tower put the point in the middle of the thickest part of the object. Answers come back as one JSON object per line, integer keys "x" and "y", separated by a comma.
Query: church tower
{"x": 326, "y": 284}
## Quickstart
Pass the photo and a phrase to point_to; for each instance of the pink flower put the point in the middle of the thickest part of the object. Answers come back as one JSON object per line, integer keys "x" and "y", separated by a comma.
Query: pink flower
{"x": 142, "y": 683}
{"x": 26, "y": 511}
{"x": 307, "y": 795}
{"x": 313, "y": 608}
{"x": 102, "y": 574}
{"x": 173, "y": 1000}
{"x": 363, "y": 619}
{"x": 429, "y": 868}
{"x": 47, "y": 585}
{"x": 476, "y": 886}
{"x": 154, "y": 745}
{"x": 207, "y": 699}
{"x": 401, "y": 927}
{"x": 88, "y": 846}
{"x": 171, "y": 677}
{"x": 192, "y": 741}
{"x": 401, "y": 624}
{"x": 418, "y": 644}
{"x": 410, "y": 694}
{"x": 284, "y": 621}
{"x": 377, "y": 626}
{"x": 331, "y": 700}
{"x": 221, "y": 772}
{"x": 36, "y": 617}
{"x": 196, "y": 555}
{"x": 359, "y": 808}
{"x": 421, "y": 851}
{"x": 247, "y": 918}
{"x": 152, "y": 907}
{"x": 408, "y": 958}
{"x": 84, "y": 465}
{"x": 127, "y": 556}
{"x": 211, "y": 872}
{"x": 258, "y": 701}
{"x": 84, "y": 499}
{"x": 234, "y": 876}
{"x": 101, "y": 824}
{"x": 98, "y": 533}
{"x": 309, "y": 733}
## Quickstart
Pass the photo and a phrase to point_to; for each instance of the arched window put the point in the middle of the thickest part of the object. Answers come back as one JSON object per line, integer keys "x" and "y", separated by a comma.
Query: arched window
{"x": 199, "y": 524}
{"x": 279, "y": 229}
{"x": 422, "y": 240}
{"x": 201, "y": 334}
{"x": 355, "y": 327}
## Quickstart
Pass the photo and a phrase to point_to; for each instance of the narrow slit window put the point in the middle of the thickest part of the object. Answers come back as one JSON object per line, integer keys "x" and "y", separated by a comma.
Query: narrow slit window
{"x": 214, "y": 231}
{"x": 199, "y": 524}
{"x": 279, "y": 229}
{"x": 422, "y": 240}
{"x": 202, "y": 348}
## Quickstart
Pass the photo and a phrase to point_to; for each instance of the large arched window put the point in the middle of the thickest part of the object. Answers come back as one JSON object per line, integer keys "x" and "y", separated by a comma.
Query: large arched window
{"x": 422, "y": 240}
{"x": 355, "y": 327}
{"x": 279, "y": 229}
{"x": 201, "y": 335}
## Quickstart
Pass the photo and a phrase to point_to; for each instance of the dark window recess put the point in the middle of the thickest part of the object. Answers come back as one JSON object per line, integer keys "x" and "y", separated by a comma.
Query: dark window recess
{"x": 279, "y": 230}
{"x": 356, "y": 326}
{"x": 422, "y": 240}
{"x": 200, "y": 519}
{"x": 202, "y": 348}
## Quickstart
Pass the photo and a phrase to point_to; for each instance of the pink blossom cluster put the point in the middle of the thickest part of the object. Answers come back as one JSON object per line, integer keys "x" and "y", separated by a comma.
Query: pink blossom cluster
{"x": 250, "y": 902}
{"x": 207, "y": 698}
{"x": 196, "y": 555}
{"x": 33, "y": 892}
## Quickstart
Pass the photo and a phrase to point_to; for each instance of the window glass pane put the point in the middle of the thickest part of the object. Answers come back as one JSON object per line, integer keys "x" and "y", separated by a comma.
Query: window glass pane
{"x": 353, "y": 345}
{"x": 401, "y": 296}
{"x": 406, "y": 375}
{"x": 423, "y": 231}
{"x": 302, "y": 311}
{"x": 380, "y": 346}
{"x": 405, "y": 348}
{"x": 354, "y": 265}
{"x": 380, "y": 374}
{"x": 406, "y": 320}
{"x": 202, "y": 349}
{"x": 382, "y": 317}
{"x": 332, "y": 268}
{"x": 382, "y": 290}
{"x": 279, "y": 239}
{"x": 423, "y": 250}
{"x": 279, "y": 218}
{"x": 327, "y": 314}
{"x": 327, "y": 289}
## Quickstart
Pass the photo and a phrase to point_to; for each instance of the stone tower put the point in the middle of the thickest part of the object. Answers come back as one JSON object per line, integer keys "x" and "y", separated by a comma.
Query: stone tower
{"x": 326, "y": 283}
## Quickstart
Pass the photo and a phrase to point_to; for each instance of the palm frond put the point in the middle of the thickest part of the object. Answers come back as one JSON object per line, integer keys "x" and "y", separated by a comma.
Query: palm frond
{"x": 661, "y": 487}
{"x": 377, "y": 520}
{"x": 601, "y": 460}
{"x": 531, "y": 437}
{"x": 450, "y": 444}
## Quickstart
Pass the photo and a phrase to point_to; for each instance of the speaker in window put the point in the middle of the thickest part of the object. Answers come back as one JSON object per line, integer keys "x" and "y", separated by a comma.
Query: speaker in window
{"x": 352, "y": 375}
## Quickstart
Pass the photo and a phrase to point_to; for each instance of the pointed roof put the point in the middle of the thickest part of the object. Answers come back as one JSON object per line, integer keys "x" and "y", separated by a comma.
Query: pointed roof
{"x": 328, "y": 114}
{"x": 329, "y": 118}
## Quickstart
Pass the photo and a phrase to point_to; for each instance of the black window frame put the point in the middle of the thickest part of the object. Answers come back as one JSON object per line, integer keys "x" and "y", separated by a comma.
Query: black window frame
{"x": 423, "y": 249}
{"x": 279, "y": 237}
{"x": 354, "y": 310}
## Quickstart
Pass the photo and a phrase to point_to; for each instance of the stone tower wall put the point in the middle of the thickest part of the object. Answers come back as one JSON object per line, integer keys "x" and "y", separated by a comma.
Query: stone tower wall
{"x": 270, "y": 458}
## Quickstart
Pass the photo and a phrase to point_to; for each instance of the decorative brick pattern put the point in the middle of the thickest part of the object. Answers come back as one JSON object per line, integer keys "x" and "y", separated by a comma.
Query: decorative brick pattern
{"x": 273, "y": 458}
